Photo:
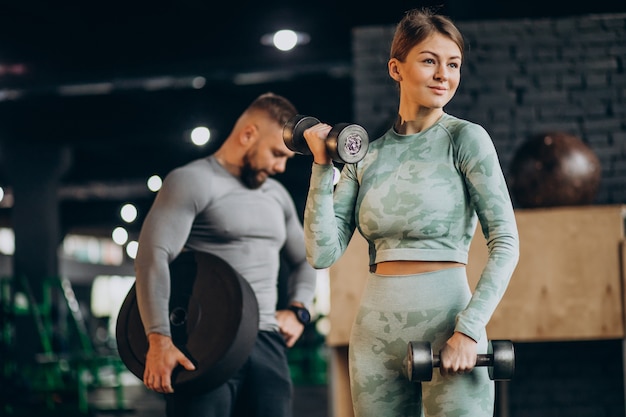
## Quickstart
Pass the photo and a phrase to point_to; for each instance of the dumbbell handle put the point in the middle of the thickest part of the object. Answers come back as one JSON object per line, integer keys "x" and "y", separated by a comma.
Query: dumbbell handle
{"x": 482, "y": 359}
{"x": 500, "y": 360}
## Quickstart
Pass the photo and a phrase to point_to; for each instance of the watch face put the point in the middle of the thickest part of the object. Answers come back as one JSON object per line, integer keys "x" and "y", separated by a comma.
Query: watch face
{"x": 302, "y": 314}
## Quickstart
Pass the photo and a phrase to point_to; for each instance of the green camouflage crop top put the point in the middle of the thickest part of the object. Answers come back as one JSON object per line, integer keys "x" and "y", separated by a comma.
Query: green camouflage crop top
{"x": 418, "y": 197}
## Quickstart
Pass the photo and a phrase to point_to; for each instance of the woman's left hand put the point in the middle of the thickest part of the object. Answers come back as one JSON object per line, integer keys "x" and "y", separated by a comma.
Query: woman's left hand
{"x": 458, "y": 356}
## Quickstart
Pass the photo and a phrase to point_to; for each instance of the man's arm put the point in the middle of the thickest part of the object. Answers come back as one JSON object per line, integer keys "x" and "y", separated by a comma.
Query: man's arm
{"x": 163, "y": 235}
{"x": 302, "y": 276}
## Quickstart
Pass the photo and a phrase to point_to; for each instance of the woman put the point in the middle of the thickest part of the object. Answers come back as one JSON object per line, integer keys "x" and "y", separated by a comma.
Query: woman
{"x": 416, "y": 197}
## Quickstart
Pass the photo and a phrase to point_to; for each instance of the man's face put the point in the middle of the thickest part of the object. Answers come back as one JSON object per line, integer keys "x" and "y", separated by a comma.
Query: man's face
{"x": 267, "y": 156}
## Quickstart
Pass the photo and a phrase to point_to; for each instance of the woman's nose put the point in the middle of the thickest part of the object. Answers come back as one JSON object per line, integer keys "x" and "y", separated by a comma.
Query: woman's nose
{"x": 442, "y": 72}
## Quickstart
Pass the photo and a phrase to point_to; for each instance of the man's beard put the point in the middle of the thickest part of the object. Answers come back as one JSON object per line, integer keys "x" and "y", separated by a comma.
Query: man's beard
{"x": 250, "y": 176}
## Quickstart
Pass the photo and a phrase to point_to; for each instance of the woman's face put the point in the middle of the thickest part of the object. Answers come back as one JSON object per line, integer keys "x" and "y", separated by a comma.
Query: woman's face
{"x": 431, "y": 72}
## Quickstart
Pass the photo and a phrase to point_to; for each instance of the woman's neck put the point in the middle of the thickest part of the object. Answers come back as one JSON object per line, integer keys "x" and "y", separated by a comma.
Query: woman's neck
{"x": 416, "y": 122}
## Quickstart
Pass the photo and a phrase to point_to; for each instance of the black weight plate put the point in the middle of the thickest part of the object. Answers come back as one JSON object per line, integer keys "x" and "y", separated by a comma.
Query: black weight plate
{"x": 293, "y": 133}
{"x": 214, "y": 320}
{"x": 348, "y": 142}
{"x": 419, "y": 361}
{"x": 503, "y": 363}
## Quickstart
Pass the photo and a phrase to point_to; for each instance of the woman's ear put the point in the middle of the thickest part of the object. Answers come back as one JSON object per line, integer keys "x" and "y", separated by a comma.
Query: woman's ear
{"x": 394, "y": 70}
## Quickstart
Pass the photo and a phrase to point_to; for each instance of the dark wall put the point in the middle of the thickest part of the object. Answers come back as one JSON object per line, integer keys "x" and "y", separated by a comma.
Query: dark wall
{"x": 566, "y": 379}
{"x": 521, "y": 78}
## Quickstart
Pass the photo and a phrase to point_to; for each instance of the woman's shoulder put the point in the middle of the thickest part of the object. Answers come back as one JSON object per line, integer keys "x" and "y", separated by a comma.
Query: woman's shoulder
{"x": 459, "y": 127}
{"x": 469, "y": 140}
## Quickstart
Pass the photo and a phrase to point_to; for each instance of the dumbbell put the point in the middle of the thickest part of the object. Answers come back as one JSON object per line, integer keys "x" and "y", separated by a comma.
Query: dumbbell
{"x": 345, "y": 143}
{"x": 420, "y": 361}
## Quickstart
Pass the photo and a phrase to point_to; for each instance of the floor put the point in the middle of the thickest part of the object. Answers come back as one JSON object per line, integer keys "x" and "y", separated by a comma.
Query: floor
{"x": 309, "y": 401}
{"x": 134, "y": 400}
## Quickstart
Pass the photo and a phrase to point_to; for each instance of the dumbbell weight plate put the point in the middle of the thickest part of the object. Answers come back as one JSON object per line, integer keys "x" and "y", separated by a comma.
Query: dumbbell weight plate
{"x": 293, "y": 133}
{"x": 347, "y": 143}
{"x": 503, "y": 365}
{"x": 419, "y": 361}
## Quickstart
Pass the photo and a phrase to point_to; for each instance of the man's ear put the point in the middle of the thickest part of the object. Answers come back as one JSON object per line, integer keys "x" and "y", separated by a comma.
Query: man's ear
{"x": 394, "y": 70}
{"x": 248, "y": 134}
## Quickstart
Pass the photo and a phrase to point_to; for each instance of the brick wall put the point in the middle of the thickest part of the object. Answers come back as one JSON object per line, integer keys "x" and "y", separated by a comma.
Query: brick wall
{"x": 521, "y": 78}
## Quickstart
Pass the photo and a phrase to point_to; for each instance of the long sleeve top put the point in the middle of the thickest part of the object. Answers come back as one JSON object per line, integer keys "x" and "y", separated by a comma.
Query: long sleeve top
{"x": 202, "y": 207}
{"x": 418, "y": 198}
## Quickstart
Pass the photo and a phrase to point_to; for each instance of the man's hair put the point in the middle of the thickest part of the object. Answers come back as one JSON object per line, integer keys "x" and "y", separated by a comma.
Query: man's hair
{"x": 278, "y": 108}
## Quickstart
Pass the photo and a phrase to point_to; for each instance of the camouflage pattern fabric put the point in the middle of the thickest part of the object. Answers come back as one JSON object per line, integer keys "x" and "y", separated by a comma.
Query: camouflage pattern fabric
{"x": 394, "y": 311}
{"x": 419, "y": 197}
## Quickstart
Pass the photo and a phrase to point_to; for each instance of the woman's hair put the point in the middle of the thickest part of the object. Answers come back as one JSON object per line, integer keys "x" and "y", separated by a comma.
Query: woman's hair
{"x": 277, "y": 107}
{"x": 417, "y": 25}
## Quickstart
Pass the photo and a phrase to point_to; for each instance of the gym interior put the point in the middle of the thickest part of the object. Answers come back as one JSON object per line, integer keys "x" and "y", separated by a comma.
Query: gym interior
{"x": 90, "y": 120}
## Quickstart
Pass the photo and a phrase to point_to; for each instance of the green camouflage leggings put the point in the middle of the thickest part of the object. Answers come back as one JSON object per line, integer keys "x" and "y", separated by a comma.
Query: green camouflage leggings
{"x": 395, "y": 310}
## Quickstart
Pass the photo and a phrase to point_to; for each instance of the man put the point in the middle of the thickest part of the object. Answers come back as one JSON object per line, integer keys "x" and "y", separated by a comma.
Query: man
{"x": 227, "y": 205}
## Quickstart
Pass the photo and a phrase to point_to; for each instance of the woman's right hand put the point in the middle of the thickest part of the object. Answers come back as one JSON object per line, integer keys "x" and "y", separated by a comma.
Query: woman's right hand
{"x": 458, "y": 356}
{"x": 315, "y": 137}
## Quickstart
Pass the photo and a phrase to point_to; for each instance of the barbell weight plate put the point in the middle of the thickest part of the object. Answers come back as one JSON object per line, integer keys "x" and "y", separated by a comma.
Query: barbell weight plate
{"x": 213, "y": 320}
{"x": 503, "y": 363}
{"x": 347, "y": 143}
{"x": 293, "y": 133}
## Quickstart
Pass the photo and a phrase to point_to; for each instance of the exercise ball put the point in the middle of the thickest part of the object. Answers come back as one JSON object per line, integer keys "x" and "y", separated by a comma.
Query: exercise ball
{"x": 554, "y": 169}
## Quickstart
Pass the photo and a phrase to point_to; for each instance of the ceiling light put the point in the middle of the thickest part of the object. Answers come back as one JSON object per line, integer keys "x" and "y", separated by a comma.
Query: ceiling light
{"x": 198, "y": 82}
{"x": 200, "y": 135}
{"x": 285, "y": 39}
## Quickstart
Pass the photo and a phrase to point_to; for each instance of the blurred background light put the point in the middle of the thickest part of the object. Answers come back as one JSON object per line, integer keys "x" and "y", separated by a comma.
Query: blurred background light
{"x": 200, "y": 135}
{"x": 128, "y": 212}
{"x": 154, "y": 183}
{"x": 285, "y": 39}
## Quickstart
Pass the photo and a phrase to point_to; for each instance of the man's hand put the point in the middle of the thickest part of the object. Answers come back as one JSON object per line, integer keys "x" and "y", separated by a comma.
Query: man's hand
{"x": 289, "y": 326}
{"x": 458, "y": 356}
{"x": 162, "y": 357}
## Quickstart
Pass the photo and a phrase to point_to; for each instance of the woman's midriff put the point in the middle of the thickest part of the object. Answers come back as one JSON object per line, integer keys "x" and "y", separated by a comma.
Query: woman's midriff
{"x": 411, "y": 267}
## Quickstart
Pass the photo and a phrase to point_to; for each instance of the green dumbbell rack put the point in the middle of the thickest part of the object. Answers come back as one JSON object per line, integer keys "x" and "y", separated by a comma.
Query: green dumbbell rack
{"x": 58, "y": 381}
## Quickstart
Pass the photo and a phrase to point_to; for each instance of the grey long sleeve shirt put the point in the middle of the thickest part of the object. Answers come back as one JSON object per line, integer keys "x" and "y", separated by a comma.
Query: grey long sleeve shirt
{"x": 202, "y": 207}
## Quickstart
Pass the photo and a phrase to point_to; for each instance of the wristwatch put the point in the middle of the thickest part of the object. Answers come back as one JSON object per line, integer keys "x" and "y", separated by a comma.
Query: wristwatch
{"x": 302, "y": 314}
